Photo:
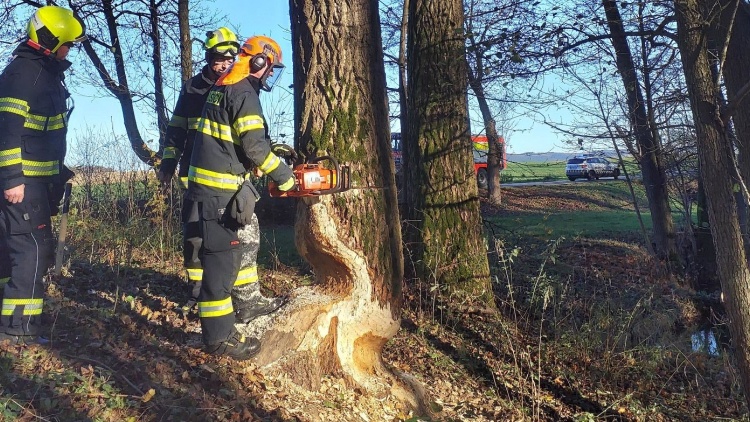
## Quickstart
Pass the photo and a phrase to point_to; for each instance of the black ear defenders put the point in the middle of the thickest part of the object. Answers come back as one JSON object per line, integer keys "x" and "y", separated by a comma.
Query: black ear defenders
{"x": 258, "y": 62}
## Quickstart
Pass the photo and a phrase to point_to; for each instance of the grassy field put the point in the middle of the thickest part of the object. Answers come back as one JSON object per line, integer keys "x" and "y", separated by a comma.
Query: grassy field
{"x": 543, "y": 171}
{"x": 601, "y": 208}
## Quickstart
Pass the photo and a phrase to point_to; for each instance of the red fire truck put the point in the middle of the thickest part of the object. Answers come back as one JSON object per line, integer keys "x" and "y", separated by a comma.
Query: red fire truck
{"x": 481, "y": 150}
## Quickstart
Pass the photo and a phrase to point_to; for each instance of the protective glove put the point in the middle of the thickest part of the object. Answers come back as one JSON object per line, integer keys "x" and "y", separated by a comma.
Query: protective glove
{"x": 284, "y": 151}
{"x": 242, "y": 205}
{"x": 166, "y": 169}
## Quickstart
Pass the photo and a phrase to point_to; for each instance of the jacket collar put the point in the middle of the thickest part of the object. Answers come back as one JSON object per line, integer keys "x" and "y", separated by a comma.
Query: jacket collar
{"x": 206, "y": 74}
{"x": 25, "y": 51}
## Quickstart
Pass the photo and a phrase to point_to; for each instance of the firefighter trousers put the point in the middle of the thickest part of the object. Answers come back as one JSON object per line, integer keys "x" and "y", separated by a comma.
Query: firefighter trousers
{"x": 220, "y": 259}
{"x": 26, "y": 252}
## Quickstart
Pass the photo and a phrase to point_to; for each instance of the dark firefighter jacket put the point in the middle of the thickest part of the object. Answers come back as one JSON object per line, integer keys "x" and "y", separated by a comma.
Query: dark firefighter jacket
{"x": 178, "y": 142}
{"x": 232, "y": 139}
{"x": 33, "y": 118}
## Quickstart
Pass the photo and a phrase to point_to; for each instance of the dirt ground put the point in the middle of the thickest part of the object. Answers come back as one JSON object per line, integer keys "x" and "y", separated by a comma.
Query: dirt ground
{"x": 552, "y": 350}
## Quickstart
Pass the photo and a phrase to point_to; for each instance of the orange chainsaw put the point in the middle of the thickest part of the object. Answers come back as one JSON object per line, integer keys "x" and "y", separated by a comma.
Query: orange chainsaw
{"x": 312, "y": 179}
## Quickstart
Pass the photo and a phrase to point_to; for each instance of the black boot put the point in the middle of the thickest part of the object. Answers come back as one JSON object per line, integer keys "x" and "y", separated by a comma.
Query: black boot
{"x": 237, "y": 347}
{"x": 257, "y": 307}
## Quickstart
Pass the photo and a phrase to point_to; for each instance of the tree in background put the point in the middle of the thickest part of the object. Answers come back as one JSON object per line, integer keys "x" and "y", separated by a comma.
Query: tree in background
{"x": 444, "y": 241}
{"x": 645, "y": 132}
{"x": 352, "y": 240}
{"x": 718, "y": 170}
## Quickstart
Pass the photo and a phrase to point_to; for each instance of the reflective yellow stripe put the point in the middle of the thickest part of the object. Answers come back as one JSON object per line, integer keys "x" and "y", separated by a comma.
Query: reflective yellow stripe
{"x": 193, "y": 122}
{"x": 169, "y": 152}
{"x": 224, "y": 181}
{"x": 246, "y": 276}
{"x": 270, "y": 163}
{"x": 56, "y": 122}
{"x": 243, "y": 124}
{"x": 215, "y": 308}
{"x": 40, "y": 168}
{"x": 34, "y": 121}
{"x": 4, "y": 281}
{"x": 287, "y": 185}
{"x": 38, "y": 122}
{"x": 215, "y": 129}
{"x": 10, "y": 157}
{"x": 31, "y": 306}
{"x": 14, "y": 105}
{"x": 184, "y": 182}
{"x": 178, "y": 122}
{"x": 195, "y": 274}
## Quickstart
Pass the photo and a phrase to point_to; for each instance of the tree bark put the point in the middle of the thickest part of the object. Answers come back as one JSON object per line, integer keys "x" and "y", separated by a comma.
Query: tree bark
{"x": 717, "y": 167}
{"x": 186, "y": 42}
{"x": 654, "y": 177}
{"x": 495, "y": 152}
{"x": 734, "y": 23}
{"x": 444, "y": 238}
{"x": 352, "y": 240}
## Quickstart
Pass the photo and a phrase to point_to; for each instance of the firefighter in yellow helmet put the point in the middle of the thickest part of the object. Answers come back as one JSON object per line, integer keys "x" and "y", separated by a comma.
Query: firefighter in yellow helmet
{"x": 231, "y": 142}
{"x": 221, "y": 46}
{"x": 33, "y": 126}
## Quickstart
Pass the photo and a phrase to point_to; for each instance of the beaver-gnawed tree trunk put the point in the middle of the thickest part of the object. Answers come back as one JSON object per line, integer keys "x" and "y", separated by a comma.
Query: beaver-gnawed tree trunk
{"x": 352, "y": 240}
{"x": 444, "y": 232}
{"x": 717, "y": 173}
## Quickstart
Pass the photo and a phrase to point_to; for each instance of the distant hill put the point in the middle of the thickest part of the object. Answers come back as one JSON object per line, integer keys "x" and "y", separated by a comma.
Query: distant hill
{"x": 544, "y": 157}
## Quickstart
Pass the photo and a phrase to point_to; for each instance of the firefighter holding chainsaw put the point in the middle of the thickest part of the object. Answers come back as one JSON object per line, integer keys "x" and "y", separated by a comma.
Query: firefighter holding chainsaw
{"x": 231, "y": 142}
{"x": 33, "y": 125}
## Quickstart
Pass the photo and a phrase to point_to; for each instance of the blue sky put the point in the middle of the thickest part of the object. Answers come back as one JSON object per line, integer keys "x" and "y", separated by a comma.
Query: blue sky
{"x": 246, "y": 17}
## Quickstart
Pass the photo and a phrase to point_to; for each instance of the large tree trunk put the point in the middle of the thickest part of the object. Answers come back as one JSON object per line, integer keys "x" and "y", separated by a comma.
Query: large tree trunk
{"x": 717, "y": 167}
{"x": 445, "y": 242}
{"x": 352, "y": 240}
{"x": 654, "y": 178}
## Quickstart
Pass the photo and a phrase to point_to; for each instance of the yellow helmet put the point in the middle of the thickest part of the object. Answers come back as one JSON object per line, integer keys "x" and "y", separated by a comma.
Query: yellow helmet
{"x": 264, "y": 51}
{"x": 53, "y": 26}
{"x": 221, "y": 42}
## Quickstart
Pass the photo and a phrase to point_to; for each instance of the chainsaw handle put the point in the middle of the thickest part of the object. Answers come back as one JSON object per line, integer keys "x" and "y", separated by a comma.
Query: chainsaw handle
{"x": 338, "y": 186}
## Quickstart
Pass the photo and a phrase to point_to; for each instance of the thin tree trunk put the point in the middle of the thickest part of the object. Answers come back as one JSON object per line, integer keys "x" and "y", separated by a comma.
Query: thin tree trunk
{"x": 160, "y": 102}
{"x": 445, "y": 241}
{"x": 402, "y": 97}
{"x": 119, "y": 87}
{"x": 654, "y": 178}
{"x": 717, "y": 168}
{"x": 186, "y": 42}
{"x": 495, "y": 153}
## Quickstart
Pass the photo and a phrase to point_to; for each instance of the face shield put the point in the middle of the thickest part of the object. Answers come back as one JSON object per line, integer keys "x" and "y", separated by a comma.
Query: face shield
{"x": 272, "y": 75}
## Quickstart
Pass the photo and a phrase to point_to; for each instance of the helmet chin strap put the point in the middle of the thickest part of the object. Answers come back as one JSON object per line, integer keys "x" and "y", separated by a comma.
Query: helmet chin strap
{"x": 47, "y": 52}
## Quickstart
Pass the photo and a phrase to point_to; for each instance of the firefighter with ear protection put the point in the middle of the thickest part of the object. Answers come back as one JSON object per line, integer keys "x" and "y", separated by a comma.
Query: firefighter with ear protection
{"x": 231, "y": 142}
{"x": 221, "y": 46}
{"x": 33, "y": 126}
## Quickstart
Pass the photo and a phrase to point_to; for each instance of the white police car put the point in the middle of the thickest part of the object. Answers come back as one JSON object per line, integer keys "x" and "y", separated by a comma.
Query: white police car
{"x": 591, "y": 167}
